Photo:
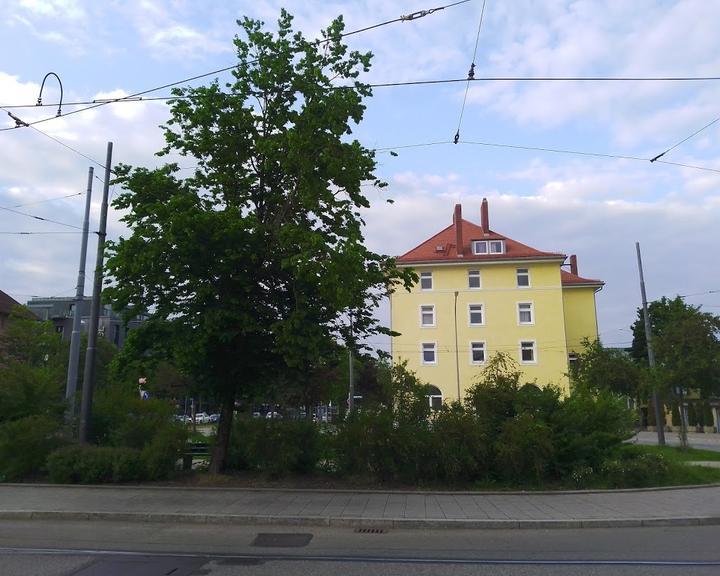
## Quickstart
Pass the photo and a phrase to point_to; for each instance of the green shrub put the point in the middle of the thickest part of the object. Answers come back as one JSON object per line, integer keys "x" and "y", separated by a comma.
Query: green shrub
{"x": 25, "y": 445}
{"x": 460, "y": 446}
{"x": 587, "y": 427}
{"x": 95, "y": 465}
{"x": 275, "y": 447}
{"x": 524, "y": 450}
{"x": 636, "y": 472}
{"x": 160, "y": 456}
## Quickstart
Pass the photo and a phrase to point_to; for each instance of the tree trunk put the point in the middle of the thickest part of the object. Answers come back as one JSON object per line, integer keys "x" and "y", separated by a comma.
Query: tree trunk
{"x": 220, "y": 451}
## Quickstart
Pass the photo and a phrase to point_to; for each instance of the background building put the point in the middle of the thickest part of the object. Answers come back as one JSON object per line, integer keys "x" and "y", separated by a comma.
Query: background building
{"x": 481, "y": 293}
{"x": 60, "y": 312}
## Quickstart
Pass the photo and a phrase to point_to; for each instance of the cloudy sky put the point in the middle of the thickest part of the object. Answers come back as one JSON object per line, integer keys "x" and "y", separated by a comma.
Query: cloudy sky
{"x": 594, "y": 206}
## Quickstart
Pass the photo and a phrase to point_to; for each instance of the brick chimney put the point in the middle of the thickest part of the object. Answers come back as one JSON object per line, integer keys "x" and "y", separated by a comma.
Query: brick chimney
{"x": 573, "y": 264}
{"x": 457, "y": 222}
{"x": 484, "y": 217}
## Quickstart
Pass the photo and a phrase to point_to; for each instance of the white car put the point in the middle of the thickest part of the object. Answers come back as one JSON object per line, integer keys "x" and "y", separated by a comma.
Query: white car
{"x": 202, "y": 418}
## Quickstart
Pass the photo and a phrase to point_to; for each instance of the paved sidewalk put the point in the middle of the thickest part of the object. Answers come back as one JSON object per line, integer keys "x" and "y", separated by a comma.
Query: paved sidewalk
{"x": 683, "y": 506}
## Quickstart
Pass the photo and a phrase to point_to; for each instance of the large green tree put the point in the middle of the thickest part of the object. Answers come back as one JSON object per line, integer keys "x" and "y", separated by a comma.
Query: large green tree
{"x": 686, "y": 344}
{"x": 251, "y": 264}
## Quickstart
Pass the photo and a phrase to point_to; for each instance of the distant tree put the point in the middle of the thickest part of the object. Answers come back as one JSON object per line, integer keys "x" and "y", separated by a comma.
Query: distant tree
{"x": 599, "y": 368}
{"x": 251, "y": 264}
{"x": 686, "y": 344}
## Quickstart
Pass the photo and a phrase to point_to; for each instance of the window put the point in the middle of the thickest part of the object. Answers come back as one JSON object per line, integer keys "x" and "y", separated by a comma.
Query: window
{"x": 434, "y": 397}
{"x": 475, "y": 313}
{"x": 527, "y": 352}
{"x": 523, "y": 277}
{"x": 572, "y": 358}
{"x": 525, "y": 313}
{"x": 426, "y": 280}
{"x": 429, "y": 353}
{"x": 427, "y": 315}
{"x": 480, "y": 247}
{"x": 477, "y": 352}
{"x": 474, "y": 279}
{"x": 497, "y": 247}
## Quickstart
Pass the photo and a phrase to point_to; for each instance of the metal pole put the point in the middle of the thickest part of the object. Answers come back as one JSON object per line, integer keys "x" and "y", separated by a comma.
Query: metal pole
{"x": 659, "y": 414}
{"x": 457, "y": 351}
{"x": 89, "y": 373}
{"x": 74, "y": 360}
{"x": 351, "y": 382}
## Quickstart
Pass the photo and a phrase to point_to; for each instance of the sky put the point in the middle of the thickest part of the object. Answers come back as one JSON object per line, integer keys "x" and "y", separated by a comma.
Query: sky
{"x": 596, "y": 207}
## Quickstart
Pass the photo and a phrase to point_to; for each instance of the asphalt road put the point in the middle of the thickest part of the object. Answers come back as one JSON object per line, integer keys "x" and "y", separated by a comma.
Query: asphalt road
{"x": 61, "y": 548}
{"x": 702, "y": 441}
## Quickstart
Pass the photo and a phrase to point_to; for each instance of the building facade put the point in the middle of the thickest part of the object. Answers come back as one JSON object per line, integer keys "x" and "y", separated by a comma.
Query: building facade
{"x": 480, "y": 293}
{"x": 60, "y": 310}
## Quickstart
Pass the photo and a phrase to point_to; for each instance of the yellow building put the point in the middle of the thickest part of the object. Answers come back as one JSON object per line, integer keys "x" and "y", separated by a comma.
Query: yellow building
{"x": 480, "y": 293}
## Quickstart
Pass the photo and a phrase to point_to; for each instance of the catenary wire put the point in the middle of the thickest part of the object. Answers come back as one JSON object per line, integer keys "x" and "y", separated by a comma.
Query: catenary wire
{"x": 39, "y": 218}
{"x": 685, "y": 139}
{"x": 48, "y": 200}
{"x": 135, "y": 100}
{"x": 136, "y": 95}
{"x": 471, "y": 74}
{"x": 38, "y": 233}
{"x": 405, "y": 18}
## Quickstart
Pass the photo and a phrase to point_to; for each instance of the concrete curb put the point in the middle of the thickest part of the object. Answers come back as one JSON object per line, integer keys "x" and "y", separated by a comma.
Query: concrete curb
{"x": 350, "y": 491}
{"x": 326, "y": 521}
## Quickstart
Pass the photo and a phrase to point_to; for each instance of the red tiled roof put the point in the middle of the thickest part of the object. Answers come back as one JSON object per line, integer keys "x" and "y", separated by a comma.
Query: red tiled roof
{"x": 570, "y": 279}
{"x": 428, "y": 250}
{"x": 7, "y": 303}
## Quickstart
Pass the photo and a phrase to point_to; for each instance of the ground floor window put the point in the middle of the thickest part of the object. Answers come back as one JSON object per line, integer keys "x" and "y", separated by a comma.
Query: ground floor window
{"x": 435, "y": 398}
{"x": 528, "y": 353}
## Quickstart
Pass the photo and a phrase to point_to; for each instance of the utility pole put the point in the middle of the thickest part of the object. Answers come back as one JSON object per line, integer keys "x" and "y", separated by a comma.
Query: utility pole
{"x": 74, "y": 359}
{"x": 89, "y": 373}
{"x": 659, "y": 413}
{"x": 351, "y": 381}
{"x": 457, "y": 351}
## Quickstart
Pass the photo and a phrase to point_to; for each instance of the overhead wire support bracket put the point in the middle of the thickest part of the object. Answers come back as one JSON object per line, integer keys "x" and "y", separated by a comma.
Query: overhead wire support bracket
{"x": 421, "y": 13}
{"x": 42, "y": 86}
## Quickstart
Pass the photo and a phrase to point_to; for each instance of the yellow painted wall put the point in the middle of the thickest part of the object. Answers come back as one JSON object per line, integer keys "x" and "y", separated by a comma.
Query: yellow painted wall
{"x": 580, "y": 317}
{"x": 501, "y": 332}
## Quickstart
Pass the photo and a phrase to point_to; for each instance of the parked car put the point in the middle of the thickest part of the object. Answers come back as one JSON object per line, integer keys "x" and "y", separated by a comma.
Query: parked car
{"x": 273, "y": 415}
{"x": 202, "y": 418}
{"x": 213, "y": 418}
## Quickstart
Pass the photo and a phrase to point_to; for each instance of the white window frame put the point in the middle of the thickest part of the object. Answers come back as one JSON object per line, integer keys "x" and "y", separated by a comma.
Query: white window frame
{"x": 422, "y": 315}
{"x": 484, "y": 351}
{"x": 482, "y": 314}
{"x": 517, "y": 277}
{"x": 424, "y": 276}
{"x": 476, "y": 245}
{"x": 432, "y": 397}
{"x": 492, "y": 243}
{"x": 475, "y": 274}
{"x": 533, "y": 344}
{"x": 434, "y": 351}
{"x": 531, "y": 310}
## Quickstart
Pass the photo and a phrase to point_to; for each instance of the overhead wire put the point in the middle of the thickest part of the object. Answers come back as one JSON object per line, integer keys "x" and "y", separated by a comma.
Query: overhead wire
{"x": 471, "y": 74}
{"x": 39, "y": 217}
{"x": 38, "y": 233}
{"x": 47, "y": 200}
{"x": 656, "y": 158}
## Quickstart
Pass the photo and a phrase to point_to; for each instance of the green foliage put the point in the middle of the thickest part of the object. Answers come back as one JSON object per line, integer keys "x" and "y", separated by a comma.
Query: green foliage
{"x": 599, "y": 368}
{"x": 25, "y": 444}
{"x": 160, "y": 455}
{"x": 261, "y": 248}
{"x": 587, "y": 426}
{"x": 524, "y": 449}
{"x": 459, "y": 445}
{"x": 686, "y": 342}
{"x": 121, "y": 418}
{"x": 95, "y": 465}
{"x": 637, "y": 471}
{"x": 273, "y": 446}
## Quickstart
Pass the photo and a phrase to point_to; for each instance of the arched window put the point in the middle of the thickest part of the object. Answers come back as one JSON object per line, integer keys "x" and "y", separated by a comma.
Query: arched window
{"x": 435, "y": 397}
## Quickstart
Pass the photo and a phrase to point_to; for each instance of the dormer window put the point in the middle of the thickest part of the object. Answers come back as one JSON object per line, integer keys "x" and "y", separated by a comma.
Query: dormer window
{"x": 488, "y": 247}
{"x": 480, "y": 247}
{"x": 497, "y": 247}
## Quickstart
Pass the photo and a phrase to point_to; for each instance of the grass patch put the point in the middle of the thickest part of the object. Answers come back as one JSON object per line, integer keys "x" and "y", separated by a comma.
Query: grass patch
{"x": 674, "y": 453}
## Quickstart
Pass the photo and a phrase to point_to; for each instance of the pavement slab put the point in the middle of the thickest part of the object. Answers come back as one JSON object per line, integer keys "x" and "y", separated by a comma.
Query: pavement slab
{"x": 679, "y": 506}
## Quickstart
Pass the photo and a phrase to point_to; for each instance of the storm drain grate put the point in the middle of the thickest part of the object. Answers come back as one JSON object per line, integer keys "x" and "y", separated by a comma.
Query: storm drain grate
{"x": 280, "y": 540}
{"x": 370, "y": 530}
